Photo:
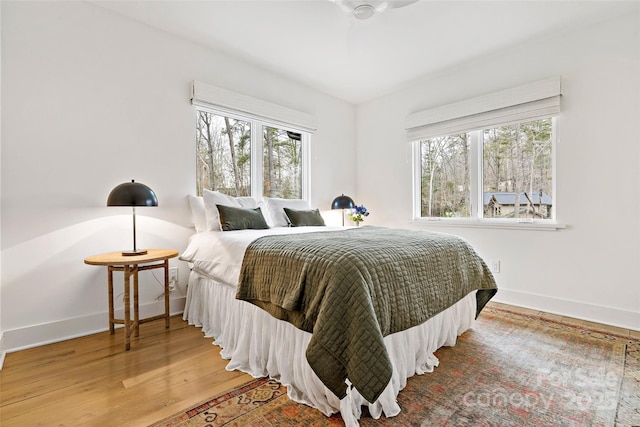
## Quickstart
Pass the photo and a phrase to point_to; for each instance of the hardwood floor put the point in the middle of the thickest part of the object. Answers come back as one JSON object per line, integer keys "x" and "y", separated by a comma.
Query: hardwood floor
{"x": 92, "y": 381}
{"x": 570, "y": 320}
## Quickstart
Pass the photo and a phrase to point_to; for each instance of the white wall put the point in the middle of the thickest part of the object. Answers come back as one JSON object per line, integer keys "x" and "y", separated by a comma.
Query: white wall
{"x": 590, "y": 269}
{"x": 91, "y": 100}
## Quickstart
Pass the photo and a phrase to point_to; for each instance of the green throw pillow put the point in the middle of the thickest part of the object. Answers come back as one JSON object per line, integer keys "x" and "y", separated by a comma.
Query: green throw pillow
{"x": 303, "y": 218}
{"x": 240, "y": 219}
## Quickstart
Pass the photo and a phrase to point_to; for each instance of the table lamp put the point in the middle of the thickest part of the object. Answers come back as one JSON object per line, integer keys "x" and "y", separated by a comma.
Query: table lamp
{"x": 132, "y": 194}
{"x": 342, "y": 202}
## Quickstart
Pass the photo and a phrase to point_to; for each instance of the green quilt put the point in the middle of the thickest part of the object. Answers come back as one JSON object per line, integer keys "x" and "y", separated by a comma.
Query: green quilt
{"x": 351, "y": 288}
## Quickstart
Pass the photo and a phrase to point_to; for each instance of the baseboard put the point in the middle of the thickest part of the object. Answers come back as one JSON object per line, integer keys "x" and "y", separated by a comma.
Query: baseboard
{"x": 47, "y": 333}
{"x": 590, "y": 312}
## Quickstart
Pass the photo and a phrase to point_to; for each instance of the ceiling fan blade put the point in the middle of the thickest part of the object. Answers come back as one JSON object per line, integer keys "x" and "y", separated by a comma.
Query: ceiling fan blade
{"x": 396, "y": 4}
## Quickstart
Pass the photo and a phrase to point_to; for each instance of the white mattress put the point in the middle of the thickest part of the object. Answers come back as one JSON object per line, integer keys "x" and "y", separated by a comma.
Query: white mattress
{"x": 260, "y": 345}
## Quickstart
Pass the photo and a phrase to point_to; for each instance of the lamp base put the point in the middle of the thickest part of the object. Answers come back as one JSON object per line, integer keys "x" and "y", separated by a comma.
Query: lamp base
{"x": 134, "y": 253}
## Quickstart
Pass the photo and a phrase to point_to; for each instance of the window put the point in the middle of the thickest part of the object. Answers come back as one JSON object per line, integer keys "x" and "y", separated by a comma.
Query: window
{"x": 445, "y": 178}
{"x": 223, "y": 154}
{"x": 282, "y": 163}
{"x": 513, "y": 179}
{"x": 230, "y": 157}
{"x": 246, "y": 146}
{"x": 517, "y": 170}
{"x": 489, "y": 157}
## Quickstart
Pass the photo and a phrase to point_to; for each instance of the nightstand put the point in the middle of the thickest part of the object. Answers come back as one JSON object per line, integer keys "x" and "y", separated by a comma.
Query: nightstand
{"x": 130, "y": 265}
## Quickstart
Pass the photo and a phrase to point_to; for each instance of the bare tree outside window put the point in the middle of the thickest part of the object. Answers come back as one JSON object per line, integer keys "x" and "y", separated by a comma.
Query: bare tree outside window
{"x": 516, "y": 172}
{"x": 223, "y": 154}
{"x": 445, "y": 176}
{"x": 282, "y": 163}
{"x": 223, "y": 163}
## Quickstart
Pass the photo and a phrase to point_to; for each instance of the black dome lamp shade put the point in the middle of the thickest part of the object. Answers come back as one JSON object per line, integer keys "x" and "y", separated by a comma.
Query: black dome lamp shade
{"x": 343, "y": 202}
{"x": 132, "y": 194}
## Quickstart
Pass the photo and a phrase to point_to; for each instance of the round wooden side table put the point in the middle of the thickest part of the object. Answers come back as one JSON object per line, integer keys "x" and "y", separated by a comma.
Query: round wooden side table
{"x": 130, "y": 265}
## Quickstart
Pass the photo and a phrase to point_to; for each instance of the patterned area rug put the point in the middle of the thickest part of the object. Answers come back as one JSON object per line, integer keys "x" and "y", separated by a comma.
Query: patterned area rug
{"x": 508, "y": 370}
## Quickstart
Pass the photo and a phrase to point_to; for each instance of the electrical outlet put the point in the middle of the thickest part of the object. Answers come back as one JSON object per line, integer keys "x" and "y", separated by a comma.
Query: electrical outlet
{"x": 495, "y": 266}
{"x": 173, "y": 276}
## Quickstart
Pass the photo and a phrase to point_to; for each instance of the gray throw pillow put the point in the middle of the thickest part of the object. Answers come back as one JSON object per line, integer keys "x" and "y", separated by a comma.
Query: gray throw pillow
{"x": 304, "y": 218}
{"x": 240, "y": 219}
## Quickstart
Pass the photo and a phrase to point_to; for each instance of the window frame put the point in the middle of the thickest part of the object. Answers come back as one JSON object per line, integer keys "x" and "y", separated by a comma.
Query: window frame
{"x": 257, "y": 146}
{"x": 476, "y": 218}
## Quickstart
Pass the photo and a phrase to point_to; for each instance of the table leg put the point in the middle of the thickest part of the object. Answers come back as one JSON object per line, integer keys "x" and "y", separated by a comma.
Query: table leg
{"x": 112, "y": 328}
{"x": 127, "y": 309}
{"x": 136, "y": 310}
{"x": 166, "y": 293}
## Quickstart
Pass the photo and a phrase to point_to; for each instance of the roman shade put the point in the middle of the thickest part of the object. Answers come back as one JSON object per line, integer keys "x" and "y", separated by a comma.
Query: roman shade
{"x": 209, "y": 96}
{"x": 532, "y": 101}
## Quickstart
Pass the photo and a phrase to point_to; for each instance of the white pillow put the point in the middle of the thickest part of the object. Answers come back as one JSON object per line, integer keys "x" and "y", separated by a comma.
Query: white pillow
{"x": 213, "y": 198}
{"x": 274, "y": 210}
{"x": 198, "y": 214}
{"x": 247, "y": 202}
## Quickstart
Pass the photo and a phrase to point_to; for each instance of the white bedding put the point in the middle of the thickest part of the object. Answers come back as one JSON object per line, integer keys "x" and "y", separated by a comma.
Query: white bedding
{"x": 218, "y": 254}
{"x": 256, "y": 343}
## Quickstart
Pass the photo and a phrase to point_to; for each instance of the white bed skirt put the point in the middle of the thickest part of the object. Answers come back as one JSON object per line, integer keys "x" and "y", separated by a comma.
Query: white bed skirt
{"x": 256, "y": 343}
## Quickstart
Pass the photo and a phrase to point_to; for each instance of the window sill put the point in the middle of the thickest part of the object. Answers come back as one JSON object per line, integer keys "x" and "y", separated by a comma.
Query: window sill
{"x": 485, "y": 223}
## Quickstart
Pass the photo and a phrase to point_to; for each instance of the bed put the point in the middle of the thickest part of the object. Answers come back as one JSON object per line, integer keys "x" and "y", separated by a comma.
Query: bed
{"x": 280, "y": 301}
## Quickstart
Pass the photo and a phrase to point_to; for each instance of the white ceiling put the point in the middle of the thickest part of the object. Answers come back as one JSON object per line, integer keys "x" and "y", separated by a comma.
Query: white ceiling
{"x": 317, "y": 43}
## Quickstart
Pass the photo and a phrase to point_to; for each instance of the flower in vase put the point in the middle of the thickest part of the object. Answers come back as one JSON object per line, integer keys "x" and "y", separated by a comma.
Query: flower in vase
{"x": 358, "y": 214}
